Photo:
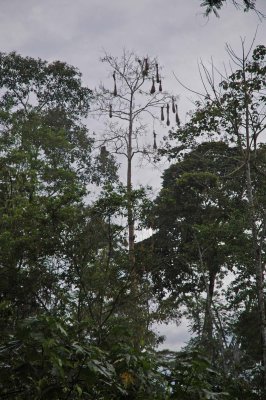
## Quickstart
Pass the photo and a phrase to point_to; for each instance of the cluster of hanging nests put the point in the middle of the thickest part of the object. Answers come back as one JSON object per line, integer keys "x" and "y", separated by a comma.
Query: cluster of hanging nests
{"x": 145, "y": 71}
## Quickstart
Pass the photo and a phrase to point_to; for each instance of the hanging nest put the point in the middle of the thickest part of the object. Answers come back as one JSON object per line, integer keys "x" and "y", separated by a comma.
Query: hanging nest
{"x": 162, "y": 114}
{"x": 103, "y": 152}
{"x": 146, "y": 67}
{"x": 173, "y": 105}
{"x": 157, "y": 73}
{"x": 110, "y": 111}
{"x": 153, "y": 86}
{"x": 115, "y": 88}
{"x": 154, "y": 141}
{"x": 177, "y": 119}
{"x": 160, "y": 86}
{"x": 167, "y": 112}
{"x": 141, "y": 63}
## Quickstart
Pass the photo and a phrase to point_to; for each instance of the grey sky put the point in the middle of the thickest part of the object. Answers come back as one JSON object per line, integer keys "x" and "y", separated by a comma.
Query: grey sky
{"x": 77, "y": 31}
{"x": 175, "y": 31}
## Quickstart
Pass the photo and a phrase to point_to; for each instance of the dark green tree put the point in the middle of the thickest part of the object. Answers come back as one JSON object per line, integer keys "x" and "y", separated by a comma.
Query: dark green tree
{"x": 234, "y": 112}
{"x": 195, "y": 219}
{"x": 45, "y": 165}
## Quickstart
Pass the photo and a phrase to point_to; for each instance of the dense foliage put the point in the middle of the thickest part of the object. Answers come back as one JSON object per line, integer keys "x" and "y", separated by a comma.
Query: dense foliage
{"x": 66, "y": 298}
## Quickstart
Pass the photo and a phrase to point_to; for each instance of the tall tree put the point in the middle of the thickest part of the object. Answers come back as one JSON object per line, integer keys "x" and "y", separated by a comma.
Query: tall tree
{"x": 192, "y": 217}
{"x": 137, "y": 91}
{"x": 45, "y": 166}
{"x": 235, "y": 112}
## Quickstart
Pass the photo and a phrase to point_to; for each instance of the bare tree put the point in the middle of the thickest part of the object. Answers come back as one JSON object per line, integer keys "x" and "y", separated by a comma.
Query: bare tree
{"x": 137, "y": 95}
{"x": 235, "y": 110}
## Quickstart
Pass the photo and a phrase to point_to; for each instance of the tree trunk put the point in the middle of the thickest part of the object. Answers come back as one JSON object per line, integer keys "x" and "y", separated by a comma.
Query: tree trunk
{"x": 259, "y": 270}
{"x": 209, "y": 283}
{"x": 136, "y": 323}
{"x": 256, "y": 244}
{"x": 130, "y": 217}
{"x": 207, "y": 330}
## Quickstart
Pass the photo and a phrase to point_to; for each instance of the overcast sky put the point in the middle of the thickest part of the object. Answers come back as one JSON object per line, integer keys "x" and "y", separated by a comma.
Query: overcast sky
{"x": 175, "y": 31}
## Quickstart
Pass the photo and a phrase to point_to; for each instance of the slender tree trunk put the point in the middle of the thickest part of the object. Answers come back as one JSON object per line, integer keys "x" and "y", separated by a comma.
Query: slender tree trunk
{"x": 257, "y": 257}
{"x": 130, "y": 217}
{"x": 131, "y": 236}
{"x": 209, "y": 283}
{"x": 207, "y": 330}
{"x": 256, "y": 245}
